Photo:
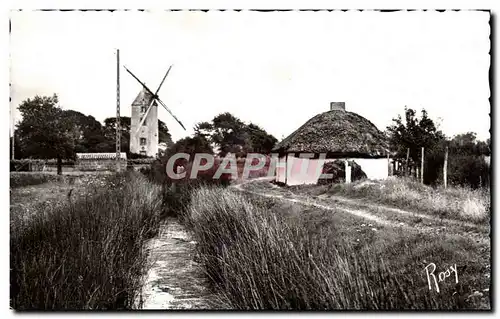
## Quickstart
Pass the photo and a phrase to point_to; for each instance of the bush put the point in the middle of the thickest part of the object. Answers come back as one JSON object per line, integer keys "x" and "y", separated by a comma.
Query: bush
{"x": 136, "y": 161}
{"x": 337, "y": 168}
{"x": 177, "y": 193}
{"x": 135, "y": 156}
{"x": 87, "y": 253}
{"x": 468, "y": 170}
{"x": 159, "y": 173}
{"x": 464, "y": 169}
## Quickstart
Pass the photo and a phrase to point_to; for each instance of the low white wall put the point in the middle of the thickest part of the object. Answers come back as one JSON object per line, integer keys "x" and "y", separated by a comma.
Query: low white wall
{"x": 374, "y": 168}
{"x": 312, "y": 167}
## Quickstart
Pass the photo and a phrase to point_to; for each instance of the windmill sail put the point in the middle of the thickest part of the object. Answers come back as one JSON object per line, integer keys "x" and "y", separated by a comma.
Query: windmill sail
{"x": 145, "y": 115}
{"x": 161, "y": 83}
{"x": 155, "y": 95}
{"x": 168, "y": 110}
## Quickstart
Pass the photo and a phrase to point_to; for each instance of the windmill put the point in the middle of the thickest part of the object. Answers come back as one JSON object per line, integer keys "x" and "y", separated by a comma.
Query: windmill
{"x": 144, "y": 119}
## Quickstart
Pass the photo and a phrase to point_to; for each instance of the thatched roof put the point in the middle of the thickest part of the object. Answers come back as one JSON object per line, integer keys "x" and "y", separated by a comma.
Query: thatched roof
{"x": 339, "y": 134}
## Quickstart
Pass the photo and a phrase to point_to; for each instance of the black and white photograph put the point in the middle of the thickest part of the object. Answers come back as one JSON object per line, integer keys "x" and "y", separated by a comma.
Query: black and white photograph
{"x": 242, "y": 160}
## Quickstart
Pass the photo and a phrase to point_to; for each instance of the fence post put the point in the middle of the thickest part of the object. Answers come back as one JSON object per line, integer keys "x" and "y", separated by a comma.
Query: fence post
{"x": 445, "y": 168}
{"x": 422, "y": 167}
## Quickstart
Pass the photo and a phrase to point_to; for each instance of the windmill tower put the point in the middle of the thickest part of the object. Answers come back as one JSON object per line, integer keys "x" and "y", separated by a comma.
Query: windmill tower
{"x": 144, "y": 120}
{"x": 144, "y": 126}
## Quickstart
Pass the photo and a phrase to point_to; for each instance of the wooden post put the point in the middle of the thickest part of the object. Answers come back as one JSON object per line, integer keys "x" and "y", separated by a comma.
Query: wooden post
{"x": 445, "y": 168}
{"x": 117, "y": 124}
{"x": 407, "y": 172}
{"x": 422, "y": 167}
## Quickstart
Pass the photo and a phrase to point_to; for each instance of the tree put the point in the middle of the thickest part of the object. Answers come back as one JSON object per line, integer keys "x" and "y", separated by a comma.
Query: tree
{"x": 164, "y": 134}
{"x": 110, "y": 127}
{"x": 228, "y": 133}
{"x": 414, "y": 134}
{"x": 110, "y": 134}
{"x": 262, "y": 142}
{"x": 231, "y": 135}
{"x": 467, "y": 144}
{"x": 45, "y": 132}
{"x": 191, "y": 146}
{"x": 91, "y": 131}
{"x": 465, "y": 163}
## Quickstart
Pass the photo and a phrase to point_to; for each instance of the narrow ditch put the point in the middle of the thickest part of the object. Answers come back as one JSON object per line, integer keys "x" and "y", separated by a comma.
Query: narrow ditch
{"x": 174, "y": 280}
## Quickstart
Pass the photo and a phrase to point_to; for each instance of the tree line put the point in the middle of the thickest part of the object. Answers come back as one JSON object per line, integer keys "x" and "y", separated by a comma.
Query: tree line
{"x": 225, "y": 134}
{"x": 46, "y": 132}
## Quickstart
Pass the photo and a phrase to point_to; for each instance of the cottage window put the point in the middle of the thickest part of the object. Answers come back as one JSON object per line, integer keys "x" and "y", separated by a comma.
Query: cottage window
{"x": 143, "y": 108}
{"x": 143, "y": 141}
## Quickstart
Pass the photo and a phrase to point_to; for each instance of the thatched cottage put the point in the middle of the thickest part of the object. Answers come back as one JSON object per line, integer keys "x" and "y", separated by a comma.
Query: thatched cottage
{"x": 339, "y": 135}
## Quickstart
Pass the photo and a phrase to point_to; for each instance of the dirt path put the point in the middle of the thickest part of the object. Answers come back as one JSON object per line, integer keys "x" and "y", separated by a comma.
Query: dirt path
{"x": 311, "y": 202}
{"x": 175, "y": 280}
{"x": 367, "y": 205}
{"x": 374, "y": 212}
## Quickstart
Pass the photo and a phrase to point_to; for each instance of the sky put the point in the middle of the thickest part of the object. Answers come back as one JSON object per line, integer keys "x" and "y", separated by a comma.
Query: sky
{"x": 275, "y": 69}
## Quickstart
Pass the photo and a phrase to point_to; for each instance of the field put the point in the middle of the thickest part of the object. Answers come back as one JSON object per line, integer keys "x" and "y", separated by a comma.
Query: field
{"x": 305, "y": 248}
{"x": 367, "y": 245}
{"x": 77, "y": 241}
